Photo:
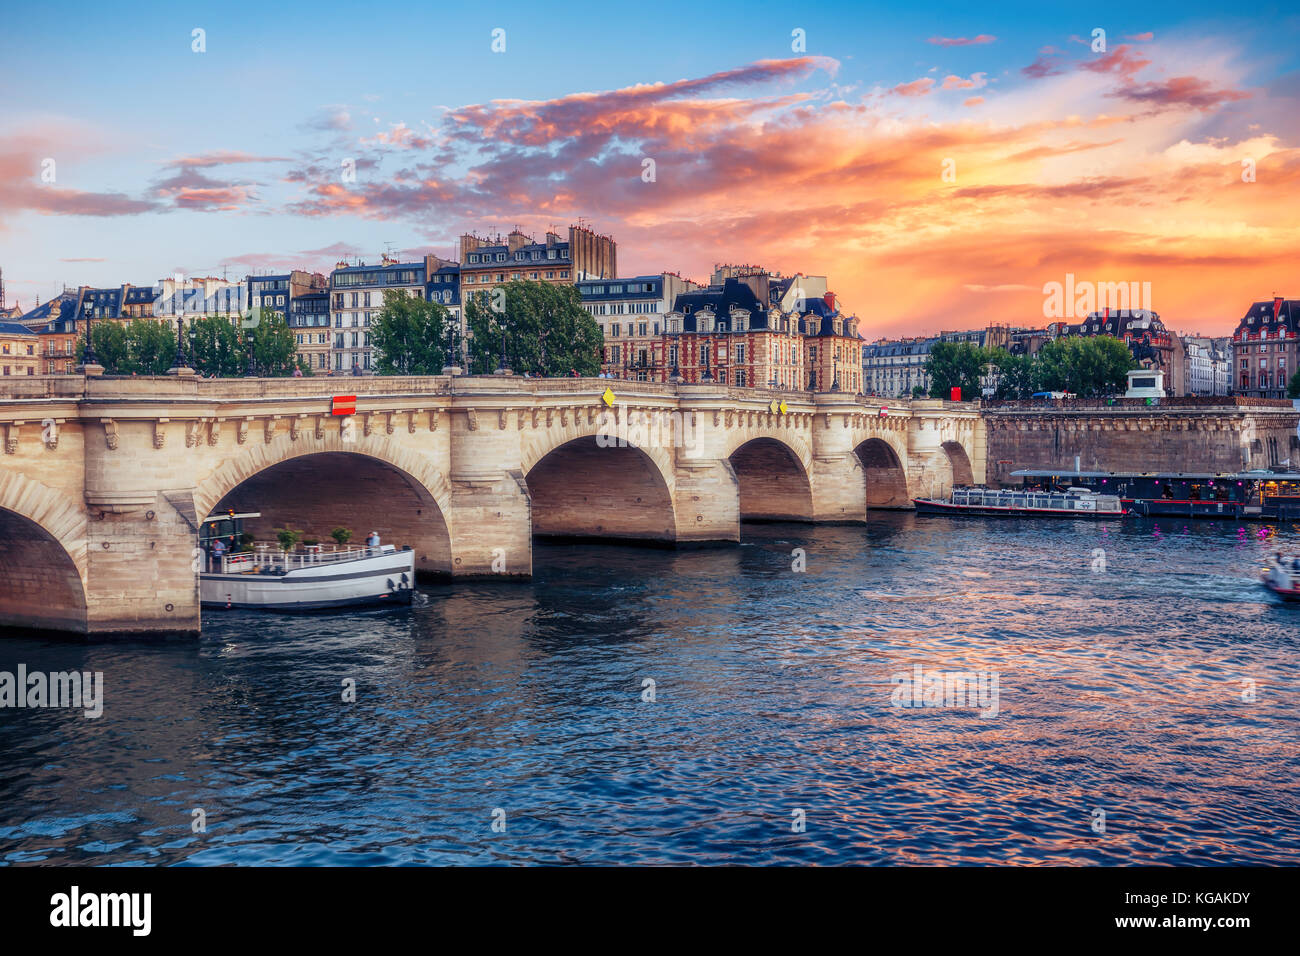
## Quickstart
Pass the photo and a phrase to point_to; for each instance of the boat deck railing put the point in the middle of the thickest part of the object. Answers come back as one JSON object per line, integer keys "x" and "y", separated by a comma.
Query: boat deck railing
{"x": 1062, "y": 500}
{"x": 265, "y": 557}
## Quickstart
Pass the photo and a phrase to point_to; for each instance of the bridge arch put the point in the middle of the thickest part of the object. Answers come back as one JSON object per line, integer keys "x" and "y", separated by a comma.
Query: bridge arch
{"x": 773, "y": 480}
{"x": 589, "y": 489}
{"x": 316, "y": 485}
{"x": 43, "y": 558}
{"x": 962, "y": 473}
{"x": 886, "y": 476}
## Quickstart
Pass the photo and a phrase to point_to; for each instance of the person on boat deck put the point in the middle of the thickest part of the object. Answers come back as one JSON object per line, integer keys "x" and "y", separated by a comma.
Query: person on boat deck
{"x": 218, "y": 551}
{"x": 373, "y": 540}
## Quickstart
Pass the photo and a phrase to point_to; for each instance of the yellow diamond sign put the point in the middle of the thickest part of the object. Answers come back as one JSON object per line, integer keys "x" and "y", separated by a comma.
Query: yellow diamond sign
{"x": 783, "y": 407}
{"x": 608, "y": 397}
{"x": 772, "y": 406}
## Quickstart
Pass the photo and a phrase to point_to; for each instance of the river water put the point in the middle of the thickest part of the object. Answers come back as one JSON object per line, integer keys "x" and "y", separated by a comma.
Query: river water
{"x": 1146, "y": 712}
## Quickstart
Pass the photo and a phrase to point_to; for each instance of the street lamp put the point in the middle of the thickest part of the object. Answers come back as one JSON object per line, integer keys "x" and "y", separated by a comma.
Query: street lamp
{"x": 88, "y": 353}
{"x": 501, "y": 366}
{"x": 179, "y": 361}
{"x": 835, "y": 364}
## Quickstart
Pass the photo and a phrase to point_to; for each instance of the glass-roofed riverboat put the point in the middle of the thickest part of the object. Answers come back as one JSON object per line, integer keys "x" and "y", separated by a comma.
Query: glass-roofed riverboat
{"x": 1239, "y": 496}
{"x": 1023, "y": 503}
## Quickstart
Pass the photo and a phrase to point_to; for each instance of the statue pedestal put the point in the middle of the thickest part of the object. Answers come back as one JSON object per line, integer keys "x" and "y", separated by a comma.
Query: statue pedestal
{"x": 92, "y": 369}
{"x": 452, "y": 370}
{"x": 183, "y": 370}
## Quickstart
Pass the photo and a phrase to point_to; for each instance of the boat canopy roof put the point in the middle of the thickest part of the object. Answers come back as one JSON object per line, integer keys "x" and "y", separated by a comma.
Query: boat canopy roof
{"x": 1205, "y": 476}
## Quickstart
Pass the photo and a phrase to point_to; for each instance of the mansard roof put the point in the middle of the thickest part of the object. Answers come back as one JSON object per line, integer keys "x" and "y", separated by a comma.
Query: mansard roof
{"x": 1260, "y": 316}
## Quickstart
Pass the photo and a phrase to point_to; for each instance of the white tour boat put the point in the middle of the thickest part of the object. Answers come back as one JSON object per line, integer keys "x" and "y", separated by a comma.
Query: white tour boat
{"x": 1023, "y": 503}
{"x": 309, "y": 580}
{"x": 1282, "y": 576}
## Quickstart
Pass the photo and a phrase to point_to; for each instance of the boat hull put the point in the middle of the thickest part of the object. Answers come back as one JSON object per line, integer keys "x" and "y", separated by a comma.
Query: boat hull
{"x": 926, "y": 506}
{"x": 1282, "y": 584}
{"x": 371, "y": 581}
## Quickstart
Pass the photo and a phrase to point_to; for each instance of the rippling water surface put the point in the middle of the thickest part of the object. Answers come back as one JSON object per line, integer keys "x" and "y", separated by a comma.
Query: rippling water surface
{"x": 1123, "y": 691}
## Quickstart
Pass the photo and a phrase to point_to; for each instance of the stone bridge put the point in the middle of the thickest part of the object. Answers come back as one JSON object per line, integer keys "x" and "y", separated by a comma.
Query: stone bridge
{"x": 105, "y": 480}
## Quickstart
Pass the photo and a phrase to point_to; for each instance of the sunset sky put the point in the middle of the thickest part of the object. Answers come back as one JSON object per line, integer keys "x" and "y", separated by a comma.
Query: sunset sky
{"x": 1116, "y": 166}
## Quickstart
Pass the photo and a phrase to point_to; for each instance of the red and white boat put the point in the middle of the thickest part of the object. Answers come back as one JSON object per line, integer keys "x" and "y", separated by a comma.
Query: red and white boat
{"x": 1282, "y": 576}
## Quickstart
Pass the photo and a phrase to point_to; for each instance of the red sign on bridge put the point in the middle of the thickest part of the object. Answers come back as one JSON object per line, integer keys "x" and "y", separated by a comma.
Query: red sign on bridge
{"x": 344, "y": 405}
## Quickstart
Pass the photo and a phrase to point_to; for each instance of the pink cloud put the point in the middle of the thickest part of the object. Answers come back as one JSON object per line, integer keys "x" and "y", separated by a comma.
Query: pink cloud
{"x": 916, "y": 88}
{"x": 975, "y": 82}
{"x": 962, "y": 41}
{"x": 1121, "y": 61}
{"x": 1043, "y": 66}
{"x": 1190, "y": 91}
{"x": 973, "y": 101}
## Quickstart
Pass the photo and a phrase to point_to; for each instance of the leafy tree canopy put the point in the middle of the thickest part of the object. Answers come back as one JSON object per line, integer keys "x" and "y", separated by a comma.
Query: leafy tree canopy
{"x": 412, "y": 336}
{"x": 546, "y": 330}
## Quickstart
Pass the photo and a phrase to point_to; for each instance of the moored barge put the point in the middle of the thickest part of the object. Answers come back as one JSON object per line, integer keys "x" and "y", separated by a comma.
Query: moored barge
{"x": 1238, "y": 496}
{"x": 309, "y": 580}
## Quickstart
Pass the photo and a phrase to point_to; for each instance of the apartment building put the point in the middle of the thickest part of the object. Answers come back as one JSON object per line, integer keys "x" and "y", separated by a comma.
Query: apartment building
{"x": 19, "y": 350}
{"x": 356, "y": 297}
{"x": 487, "y": 262}
{"x": 1264, "y": 350}
{"x": 630, "y": 313}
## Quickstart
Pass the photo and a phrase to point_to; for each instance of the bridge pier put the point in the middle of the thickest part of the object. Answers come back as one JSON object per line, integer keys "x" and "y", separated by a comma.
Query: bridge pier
{"x": 142, "y": 572}
{"x": 839, "y": 489}
{"x": 491, "y": 522}
{"x": 707, "y": 501}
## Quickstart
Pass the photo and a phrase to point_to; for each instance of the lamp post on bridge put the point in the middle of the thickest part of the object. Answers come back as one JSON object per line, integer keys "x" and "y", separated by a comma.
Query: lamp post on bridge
{"x": 502, "y": 369}
{"x": 89, "y": 361}
{"x": 180, "y": 365}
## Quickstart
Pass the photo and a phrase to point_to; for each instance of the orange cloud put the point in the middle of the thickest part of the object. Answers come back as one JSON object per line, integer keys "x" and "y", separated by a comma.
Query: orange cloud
{"x": 1052, "y": 177}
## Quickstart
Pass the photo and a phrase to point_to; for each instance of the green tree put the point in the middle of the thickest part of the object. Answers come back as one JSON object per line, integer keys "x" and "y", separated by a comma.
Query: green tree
{"x": 1293, "y": 387}
{"x": 956, "y": 365}
{"x": 151, "y": 346}
{"x": 110, "y": 343}
{"x": 1088, "y": 366}
{"x": 546, "y": 330}
{"x": 1017, "y": 375}
{"x": 275, "y": 352}
{"x": 410, "y": 335}
{"x": 216, "y": 347}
